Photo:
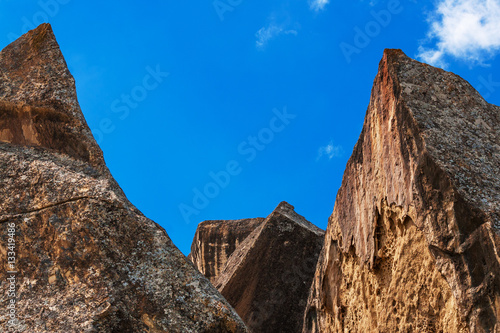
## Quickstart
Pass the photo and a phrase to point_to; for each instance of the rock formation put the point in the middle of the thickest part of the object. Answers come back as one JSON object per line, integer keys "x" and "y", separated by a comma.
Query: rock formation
{"x": 86, "y": 259}
{"x": 268, "y": 276}
{"x": 413, "y": 241}
{"x": 215, "y": 241}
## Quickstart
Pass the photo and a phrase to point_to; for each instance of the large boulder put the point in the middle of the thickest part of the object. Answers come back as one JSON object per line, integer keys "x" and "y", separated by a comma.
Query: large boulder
{"x": 86, "y": 260}
{"x": 413, "y": 241}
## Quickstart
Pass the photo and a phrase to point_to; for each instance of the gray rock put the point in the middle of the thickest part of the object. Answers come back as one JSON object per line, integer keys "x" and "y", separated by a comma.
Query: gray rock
{"x": 87, "y": 259}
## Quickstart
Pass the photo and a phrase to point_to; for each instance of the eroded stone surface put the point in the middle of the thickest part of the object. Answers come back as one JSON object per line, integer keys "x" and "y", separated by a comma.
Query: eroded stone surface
{"x": 38, "y": 100}
{"x": 215, "y": 241}
{"x": 412, "y": 244}
{"x": 87, "y": 259}
{"x": 267, "y": 277}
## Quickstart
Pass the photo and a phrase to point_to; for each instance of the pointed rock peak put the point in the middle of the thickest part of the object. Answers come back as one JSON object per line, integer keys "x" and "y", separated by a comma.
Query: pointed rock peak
{"x": 34, "y": 47}
{"x": 388, "y": 73}
{"x": 38, "y": 102}
{"x": 454, "y": 120}
{"x": 70, "y": 212}
{"x": 287, "y": 210}
{"x": 396, "y": 67}
{"x": 393, "y": 55}
{"x": 30, "y": 48}
{"x": 33, "y": 71}
{"x": 285, "y": 207}
{"x": 396, "y": 57}
{"x": 278, "y": 253}
{"x": 35, "y": 41}
{"x": 419, "y": 204}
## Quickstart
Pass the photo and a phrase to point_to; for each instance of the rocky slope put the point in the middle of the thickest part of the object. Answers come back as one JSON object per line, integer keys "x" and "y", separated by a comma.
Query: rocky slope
{"x": 267, "y": 277}
{"x": 413, "y": 241}
{"x": 86, "y": 259}
{"x": 215, "y": 241}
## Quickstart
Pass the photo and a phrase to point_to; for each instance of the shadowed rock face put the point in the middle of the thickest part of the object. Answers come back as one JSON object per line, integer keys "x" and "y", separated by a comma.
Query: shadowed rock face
{"x": 412, "y": 244}
{"x": 215, "y": 241}
{"x": 87, "y": 259}
{"x": 267, "y": 277}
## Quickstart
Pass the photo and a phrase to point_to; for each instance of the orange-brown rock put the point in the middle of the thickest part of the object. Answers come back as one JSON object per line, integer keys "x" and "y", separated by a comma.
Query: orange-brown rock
{"x": 215, "y": 241}
{"x": 413, "y": 241}
{"x": 38, "y": 102}
{"x": 86, "y": 260}
{"x": 267, "y": 277}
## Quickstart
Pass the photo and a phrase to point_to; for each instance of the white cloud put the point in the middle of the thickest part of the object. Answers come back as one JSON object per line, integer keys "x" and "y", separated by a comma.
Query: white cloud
{"x": 318, "y": 5}
{"x": 464, "y": 29}
{"x": 265, "y": 34}
{"x": 330, "y": 151}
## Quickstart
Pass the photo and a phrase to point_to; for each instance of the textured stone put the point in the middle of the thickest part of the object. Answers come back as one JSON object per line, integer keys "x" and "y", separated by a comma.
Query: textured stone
{"x": 267, "y": 277}
{"x": 38, "y": 99}
{"x": 215, "y": 241}
{"x": 87, "y": 259}
{"x": 412, "y": 244}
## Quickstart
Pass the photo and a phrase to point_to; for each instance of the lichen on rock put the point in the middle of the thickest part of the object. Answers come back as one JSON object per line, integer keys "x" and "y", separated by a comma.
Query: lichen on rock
{"x": 87, "y": 259}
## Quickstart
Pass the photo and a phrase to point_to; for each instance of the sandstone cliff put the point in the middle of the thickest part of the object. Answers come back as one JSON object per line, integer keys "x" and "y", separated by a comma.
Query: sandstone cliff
{"x": 86, "y": 259}
{"x": 267, "y": 277}
{"x": 215, "y": 241}
{"x": 413, "y": 241}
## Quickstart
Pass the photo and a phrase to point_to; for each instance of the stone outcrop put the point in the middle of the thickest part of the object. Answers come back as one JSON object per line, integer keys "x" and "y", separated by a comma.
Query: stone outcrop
{"x": 267, "y": 277}
{"x": 215, "y": 241}
{"x": 413, "y": 241}
{"x": 86, "y": 259}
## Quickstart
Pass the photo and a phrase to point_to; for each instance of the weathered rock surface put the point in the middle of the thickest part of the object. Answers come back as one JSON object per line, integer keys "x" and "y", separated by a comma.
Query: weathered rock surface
{"x": 87, "y": 259}
{"x": 267, "y": 277}
{"x": 413, "y": 241}
{"x": 215, "y": 241}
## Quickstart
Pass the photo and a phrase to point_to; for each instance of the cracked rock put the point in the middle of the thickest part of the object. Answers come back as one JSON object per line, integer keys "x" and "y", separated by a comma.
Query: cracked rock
{"x": 87, "y": 260}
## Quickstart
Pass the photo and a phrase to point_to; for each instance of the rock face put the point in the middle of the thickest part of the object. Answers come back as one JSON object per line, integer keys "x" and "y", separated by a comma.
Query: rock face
{"x": 215, "y": 241}
{"x": 86, "y": 259}
{"x": 413, "y": 241}
{"x": 267, "y": 277}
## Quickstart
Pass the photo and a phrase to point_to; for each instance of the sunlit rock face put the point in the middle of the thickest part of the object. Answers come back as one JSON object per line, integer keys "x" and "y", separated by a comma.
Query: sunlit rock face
{"x": 86, "y": 259}
{"x": 413, "y": 241}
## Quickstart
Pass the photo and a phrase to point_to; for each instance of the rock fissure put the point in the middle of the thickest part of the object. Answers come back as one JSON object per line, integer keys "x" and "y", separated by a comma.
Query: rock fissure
{"x": 36, "y": 210}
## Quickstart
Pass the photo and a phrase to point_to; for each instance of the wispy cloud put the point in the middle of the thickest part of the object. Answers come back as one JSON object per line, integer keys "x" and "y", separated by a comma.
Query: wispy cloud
{"x": 330, "y": 151}
{"x": 464, "y": 29}
{"x": 265, "y": 34}
{"x": 318, "y": 5}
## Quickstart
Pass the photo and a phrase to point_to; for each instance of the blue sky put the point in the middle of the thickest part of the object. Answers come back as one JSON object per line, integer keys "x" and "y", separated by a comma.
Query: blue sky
{"x": 247, "y": 102}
